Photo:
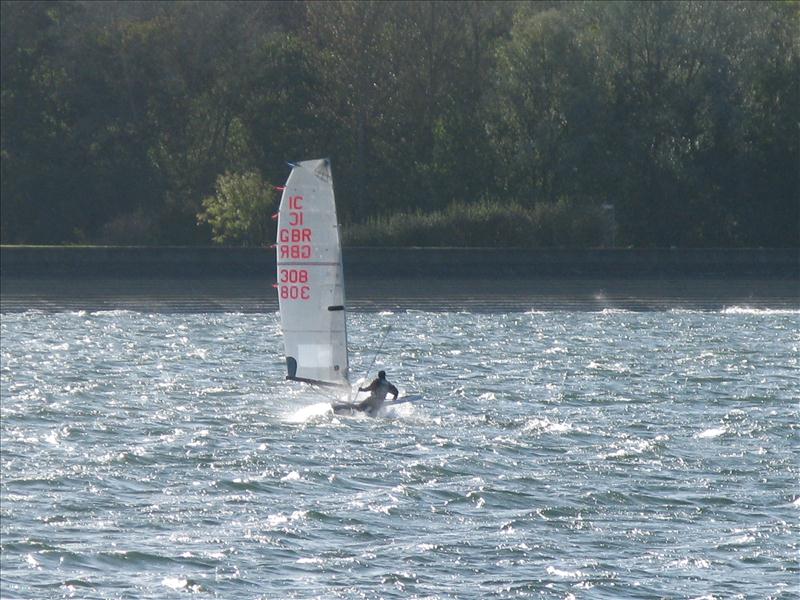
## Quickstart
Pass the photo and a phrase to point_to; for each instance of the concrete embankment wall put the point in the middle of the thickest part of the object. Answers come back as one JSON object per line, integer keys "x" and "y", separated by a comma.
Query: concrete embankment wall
{"x": 427, "y": 263}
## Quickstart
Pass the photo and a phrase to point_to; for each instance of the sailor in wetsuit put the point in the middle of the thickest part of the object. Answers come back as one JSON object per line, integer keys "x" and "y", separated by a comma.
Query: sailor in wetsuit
{"x": 377, "y": 394}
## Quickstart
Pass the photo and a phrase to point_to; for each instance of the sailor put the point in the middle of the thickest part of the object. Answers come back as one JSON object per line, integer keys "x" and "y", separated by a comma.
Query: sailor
{"x": 378, "y": 390}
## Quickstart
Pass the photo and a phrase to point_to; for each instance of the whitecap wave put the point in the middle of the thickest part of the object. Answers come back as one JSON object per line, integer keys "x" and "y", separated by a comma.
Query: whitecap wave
{"x": 613, "y": 311}
{"x": 111, "y": 313}
{"x": 633, "y": 447}
{"x": 175, "y": 583}
{"x": 181, "y": 583}
{"x": 546, "y": 426}
{"x": 276, "y": 520}
{"x": 712, "y": 433}
{"x": 690, "y": 563}
{"x": 291, "y": 476}
{"x": 565, "y": 574}
{"x": 747, "y": 310}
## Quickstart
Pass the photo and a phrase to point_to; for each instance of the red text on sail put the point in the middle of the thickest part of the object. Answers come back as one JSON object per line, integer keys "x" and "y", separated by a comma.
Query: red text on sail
{"x": 294, "y": 243}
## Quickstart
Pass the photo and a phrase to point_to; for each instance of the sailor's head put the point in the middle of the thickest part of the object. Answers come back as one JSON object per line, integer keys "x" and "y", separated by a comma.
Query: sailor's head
{"x": 381, "y": 374}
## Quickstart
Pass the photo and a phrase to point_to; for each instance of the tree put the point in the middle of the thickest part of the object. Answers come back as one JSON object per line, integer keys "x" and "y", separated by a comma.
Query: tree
{"x": 119, "y": 118}
{"x": 549, "y": 114}
{"x": 690, "y": 138}
{"x": 239, "y": 212}
{"x": 36, "y": 132}
{"x": 282, "y": 109}
{"x": 766, "y": 185}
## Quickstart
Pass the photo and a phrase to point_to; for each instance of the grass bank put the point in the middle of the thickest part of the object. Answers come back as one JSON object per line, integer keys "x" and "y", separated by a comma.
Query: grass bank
{"x": 487, "y": 224}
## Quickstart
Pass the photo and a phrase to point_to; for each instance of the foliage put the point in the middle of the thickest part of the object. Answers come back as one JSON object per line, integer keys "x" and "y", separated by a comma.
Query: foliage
{"x": 239, "y": 212}
{"x": 132, "y": 229}
{"x": 485, "y": 224}
{"x": 119, "y": 118}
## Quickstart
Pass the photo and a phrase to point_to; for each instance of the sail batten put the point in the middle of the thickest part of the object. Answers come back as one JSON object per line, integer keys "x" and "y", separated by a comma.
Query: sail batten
{"x": 310, "y": 278}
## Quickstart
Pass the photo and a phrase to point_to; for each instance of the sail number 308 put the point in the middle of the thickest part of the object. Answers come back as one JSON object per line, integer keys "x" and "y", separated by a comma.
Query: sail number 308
{"x": 291, "y": 287}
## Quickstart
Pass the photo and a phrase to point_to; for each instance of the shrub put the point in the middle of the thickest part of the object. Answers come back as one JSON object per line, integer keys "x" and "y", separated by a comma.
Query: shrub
{"x": 131, "y": 229}
{"x": 239, "y": 212}
{"x": 485, "y": 223}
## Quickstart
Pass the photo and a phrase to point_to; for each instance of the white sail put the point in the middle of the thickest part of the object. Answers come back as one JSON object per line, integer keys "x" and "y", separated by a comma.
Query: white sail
{"x": 310, "y": 277}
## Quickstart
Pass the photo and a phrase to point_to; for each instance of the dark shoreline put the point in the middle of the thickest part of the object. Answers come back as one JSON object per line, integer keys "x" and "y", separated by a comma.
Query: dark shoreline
{"x": 478, "y": 280}
{"x": 415, "y": 263}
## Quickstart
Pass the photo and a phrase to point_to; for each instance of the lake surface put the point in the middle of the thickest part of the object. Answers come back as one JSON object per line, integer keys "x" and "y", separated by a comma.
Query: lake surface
{"x": 556, "y": 454}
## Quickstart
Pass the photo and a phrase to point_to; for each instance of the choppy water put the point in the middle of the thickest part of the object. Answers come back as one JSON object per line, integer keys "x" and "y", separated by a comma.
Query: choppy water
{"x": 556, "y": 455}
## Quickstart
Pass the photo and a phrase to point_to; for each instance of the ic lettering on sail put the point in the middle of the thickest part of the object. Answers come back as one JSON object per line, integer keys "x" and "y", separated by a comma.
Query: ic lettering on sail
{"x": 295, "y": 211}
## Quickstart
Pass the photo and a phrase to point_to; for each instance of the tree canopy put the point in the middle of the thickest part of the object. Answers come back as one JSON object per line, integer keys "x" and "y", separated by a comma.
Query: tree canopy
{"x": 143, "y": 122}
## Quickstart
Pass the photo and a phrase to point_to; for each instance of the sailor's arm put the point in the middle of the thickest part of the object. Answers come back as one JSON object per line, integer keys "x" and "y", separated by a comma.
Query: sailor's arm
{"x": 394, "y": 392}
{"x": 370, "y": 388}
